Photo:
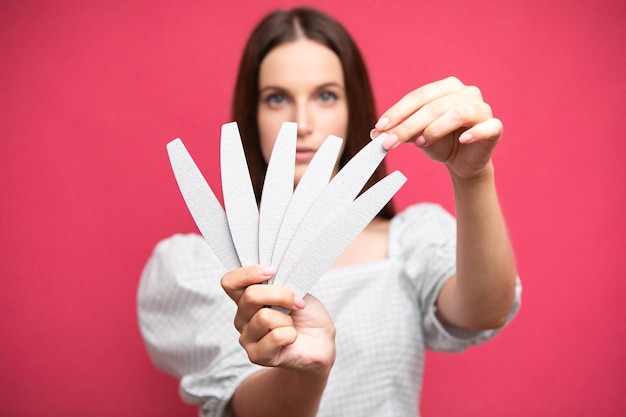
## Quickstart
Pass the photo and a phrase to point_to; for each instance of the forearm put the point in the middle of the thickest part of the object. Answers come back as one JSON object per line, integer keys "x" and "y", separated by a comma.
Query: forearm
{"x": 482, "y": 292}
{"x": 278, "y": 392}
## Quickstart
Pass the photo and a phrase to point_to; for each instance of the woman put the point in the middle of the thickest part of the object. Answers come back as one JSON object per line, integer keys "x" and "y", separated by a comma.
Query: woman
{"x": 409, "y": 281}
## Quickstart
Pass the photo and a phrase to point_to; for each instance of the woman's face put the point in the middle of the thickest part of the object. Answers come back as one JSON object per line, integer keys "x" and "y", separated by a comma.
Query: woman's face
{"x": 302, "y": 82}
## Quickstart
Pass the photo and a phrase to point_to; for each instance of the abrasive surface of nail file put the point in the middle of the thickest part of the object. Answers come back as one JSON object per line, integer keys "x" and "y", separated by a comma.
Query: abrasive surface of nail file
{"x": 277, "y": 189}
{"x": 204, "y": 207}
{"x": 239, "y": 201}
{"x": 336, "y": 197}
{"x": 325, "y": 248}
{"x": 310, "y": 186}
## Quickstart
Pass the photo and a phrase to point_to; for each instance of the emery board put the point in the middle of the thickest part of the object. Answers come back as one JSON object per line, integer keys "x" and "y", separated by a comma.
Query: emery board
{"x": 336, "y": 197}
{"x": 204, "y": 207}
{"x": 302, "y": 232}
{"x": 239, "y": 200}
{"x": 277, "y": 190}
{"x": 313, "y": 181}
{"x": 324, "y": 249}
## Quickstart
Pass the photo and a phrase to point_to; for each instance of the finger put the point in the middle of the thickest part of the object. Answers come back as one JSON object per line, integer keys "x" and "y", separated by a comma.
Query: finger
{"x": 264, "y": 321}
{"x": 461, "y": 116}
{"x": 268, "y": 333}
{"x": 414, "y": 100}
{"x": 237, "y": 280}
{"x": 490, "y": 129}
{"x": 266, "y": 352}
{"x": 257, "y": 297}
{"x": 414, "y": 126}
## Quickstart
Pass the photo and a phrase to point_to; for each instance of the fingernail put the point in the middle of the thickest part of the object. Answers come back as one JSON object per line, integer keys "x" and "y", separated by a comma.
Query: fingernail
{"x": 420, "y": 141}
{"x": 298, "y": 302}
{"x": 267, "y": 271}
{"x": 465, "y": 137}
{"x": 374, "y": 133}
{"x": 390, "y": 140}
{"x": 382, "y": 123}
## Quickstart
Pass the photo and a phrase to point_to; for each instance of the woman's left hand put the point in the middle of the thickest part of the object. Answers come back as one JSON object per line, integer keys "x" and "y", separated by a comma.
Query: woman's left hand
{"x": 449, "y": 121}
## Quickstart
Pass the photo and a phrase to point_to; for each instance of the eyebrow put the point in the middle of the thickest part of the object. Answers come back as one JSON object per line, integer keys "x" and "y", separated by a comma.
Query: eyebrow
{"x": 320, "y": 87}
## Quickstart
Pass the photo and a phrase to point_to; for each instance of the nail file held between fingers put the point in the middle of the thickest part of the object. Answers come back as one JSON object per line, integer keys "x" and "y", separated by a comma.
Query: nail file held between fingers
{"x": 239, "y": 200}
{"x": 204, "y": 207}
{"x": 277, "y": 190}
{"x": 333, "y": 220}
{"x": 324, "y": 249}
{"x": 310, "y": 186}
{"x": 336, "y": 197}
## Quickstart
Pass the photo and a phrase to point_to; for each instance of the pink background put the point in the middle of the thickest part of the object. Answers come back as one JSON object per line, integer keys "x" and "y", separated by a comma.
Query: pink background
{"x": 92, "y": 92}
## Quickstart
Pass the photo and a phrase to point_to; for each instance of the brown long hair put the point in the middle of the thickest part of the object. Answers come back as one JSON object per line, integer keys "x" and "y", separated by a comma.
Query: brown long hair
{"x": 284, "y": 26}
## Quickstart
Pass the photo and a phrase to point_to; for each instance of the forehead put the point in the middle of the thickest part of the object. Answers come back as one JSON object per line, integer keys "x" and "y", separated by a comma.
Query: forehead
{"x": 300, "y": 62}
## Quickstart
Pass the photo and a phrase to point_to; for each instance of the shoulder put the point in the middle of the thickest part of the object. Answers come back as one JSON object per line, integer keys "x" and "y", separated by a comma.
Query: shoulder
{"x": 180, "y": 259}
{"x": 424, "y": 222}
{"x": 422, "y": 210}
{"x": 185, "y": 250}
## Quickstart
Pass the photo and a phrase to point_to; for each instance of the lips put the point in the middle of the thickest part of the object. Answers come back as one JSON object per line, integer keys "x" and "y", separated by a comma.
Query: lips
{"x": 304, "y": 154}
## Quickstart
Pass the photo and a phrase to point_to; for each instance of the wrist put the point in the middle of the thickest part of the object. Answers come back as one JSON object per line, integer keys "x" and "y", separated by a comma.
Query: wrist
{"x": 315, "y": 376}
{"x": 485, "y": 175}
{"x": 315, "y": 370}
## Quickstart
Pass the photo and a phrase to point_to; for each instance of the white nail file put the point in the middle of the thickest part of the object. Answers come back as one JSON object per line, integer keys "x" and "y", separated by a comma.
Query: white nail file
{"x": 277, "y": 190}
{"x": 300, "y": 232}
{"x": 324, "y": 249}
{"x": 336, "y": 197}
{"x": 204, "y": 207}
{"x": 239, "y": 201}
{"x": 310, "y": 186}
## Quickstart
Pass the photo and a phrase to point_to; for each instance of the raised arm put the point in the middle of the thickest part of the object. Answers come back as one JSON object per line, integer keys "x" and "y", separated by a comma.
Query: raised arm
{"x": 452, "y": 124}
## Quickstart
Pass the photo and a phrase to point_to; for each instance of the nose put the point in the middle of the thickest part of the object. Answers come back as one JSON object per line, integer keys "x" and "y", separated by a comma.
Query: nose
{"x": 305, "y": 120}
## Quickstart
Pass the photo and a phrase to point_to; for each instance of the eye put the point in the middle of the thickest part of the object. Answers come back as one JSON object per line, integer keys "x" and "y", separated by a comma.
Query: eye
{"x": 275, "y": 99}
{"x": 327, "y": 96}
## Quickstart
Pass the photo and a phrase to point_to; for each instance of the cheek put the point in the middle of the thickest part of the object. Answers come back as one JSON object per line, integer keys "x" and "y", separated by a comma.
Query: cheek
{"x": 267, "y": 144}
{"x": 268, "y": 129}
{"x": 336, "y": 121}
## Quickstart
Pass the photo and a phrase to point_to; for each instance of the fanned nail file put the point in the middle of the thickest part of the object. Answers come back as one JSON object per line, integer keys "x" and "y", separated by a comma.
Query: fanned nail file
{"x": 337, "y": 196}
{"x": 310, "y": 186}
{"x": 203, "y": 205}
{"x": 239, "y": 201}
{"x": 300, "y": 232}
{"x": 324, "y": 249}
{"x": 277, "y": 190}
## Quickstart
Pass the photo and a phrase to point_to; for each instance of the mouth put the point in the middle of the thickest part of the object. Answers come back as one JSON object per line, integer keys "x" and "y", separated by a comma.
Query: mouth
{"x": 304, "y": 154}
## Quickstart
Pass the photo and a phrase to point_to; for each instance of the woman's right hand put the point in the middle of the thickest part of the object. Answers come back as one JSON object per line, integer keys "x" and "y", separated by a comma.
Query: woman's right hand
{"x": 303, "y": 340}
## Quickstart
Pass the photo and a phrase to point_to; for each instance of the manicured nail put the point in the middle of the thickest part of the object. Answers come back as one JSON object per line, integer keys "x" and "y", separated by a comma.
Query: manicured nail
{"x": 465, "y": 137}
{"x": 267, "y": 271}
{"x": 298, "y": 302}
{"x": 374, "y": 133}
{"x": 420, "y": 141}
{"x": 390, "y": 140}
{"x": 382, "y": 123}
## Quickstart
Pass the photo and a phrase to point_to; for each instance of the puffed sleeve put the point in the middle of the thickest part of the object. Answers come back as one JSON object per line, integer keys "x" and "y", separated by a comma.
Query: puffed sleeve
{"x": 186, "y": 320}
{"x": 423, "y": 239}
